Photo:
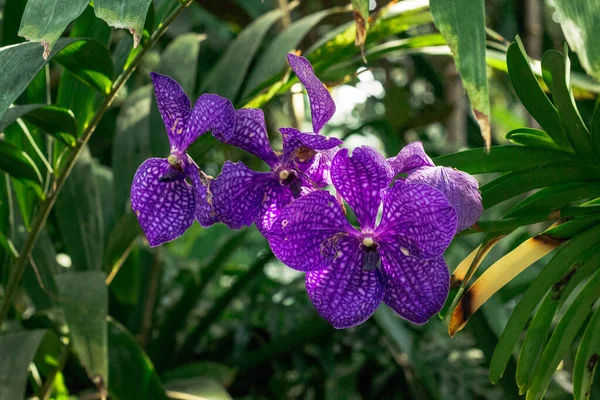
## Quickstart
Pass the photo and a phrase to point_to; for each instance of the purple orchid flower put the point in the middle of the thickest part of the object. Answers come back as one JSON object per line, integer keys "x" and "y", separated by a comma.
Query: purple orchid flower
{"x": 460, "y": 188}
{"x": 166, "y": 205}
{"x": 241, "y": 196}
{"x": 349, "y": 271}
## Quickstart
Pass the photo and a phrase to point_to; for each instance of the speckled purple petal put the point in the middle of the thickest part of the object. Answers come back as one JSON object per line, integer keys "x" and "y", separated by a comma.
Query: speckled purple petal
{"x": 298, "y": 144}
{"x": 237, "y": 194}
{"x": 322, "y": 106}
{"x": 318, "y": 169}
{"x": 276, "y": 198}
{"x": 205, "y": 214}
{"x": 418, "y": 218}
{"x": 460, "y": 188}
{"x": 173, "y": 105}
{"x": 307, "y": 234}
{"x": 410, "y": 157}
{"x": 359, "y": 179}
{"x": 343, "y": 293}
{"x": 211, "y": 113}
{"x": 415, "y": 289}
{"x": 251, "y": 135}
{"x": 165, "y": 210}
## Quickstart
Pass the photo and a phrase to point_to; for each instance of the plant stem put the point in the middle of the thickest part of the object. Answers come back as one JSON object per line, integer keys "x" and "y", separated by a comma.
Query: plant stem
{"x": 46, "y": 206}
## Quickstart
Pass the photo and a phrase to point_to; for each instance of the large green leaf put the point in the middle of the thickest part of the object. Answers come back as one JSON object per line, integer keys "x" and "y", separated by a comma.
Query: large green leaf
{"x": 579, "y": 21}
{"x": 45, "y": 20}
{"x": 84, "y": 300}
{"x": 180, "y": 61}
{"x": 563, "y": 336}
{"x": 462, "y": 22}
{"x": 120, "y": 240}
{"x": 130, "y": 14}
{"x": 20, "y": 63}
{"x": 18, "y": 349}
{"x": 555, "y": 71}
{"x": 532, "y": 96}
{"x": 227, "y": 76}
{"x": 132, "y": 375}
{"x": 57, "y": 121}
{"x": 568, "y": 254}
{"x": 503, "y": 159}
{"x": 587, "y": 358}
{"x": 80, "y": 219}
{"x": 17, "y": 163}
{"x": 272, "y": 61}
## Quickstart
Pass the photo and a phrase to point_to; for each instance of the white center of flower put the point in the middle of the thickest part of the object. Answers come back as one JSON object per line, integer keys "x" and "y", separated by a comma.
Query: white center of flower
{"x": 368, "y": 241}
{"x": 284, "y": 174}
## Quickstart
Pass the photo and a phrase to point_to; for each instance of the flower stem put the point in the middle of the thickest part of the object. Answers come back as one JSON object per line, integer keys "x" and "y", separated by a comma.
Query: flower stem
{"x": 42, "y": 215}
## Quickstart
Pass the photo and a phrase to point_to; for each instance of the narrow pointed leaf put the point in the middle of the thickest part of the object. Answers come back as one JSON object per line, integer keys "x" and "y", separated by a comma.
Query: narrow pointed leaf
{"x": 84, "y": 300}
{"x": 556, "y": 74}
{"x": 532, "y": 137}
{"x": 498, "y": 275}
{"x": 595, "y": 132}
{"x": 56, "y": 121}
{"x": 17, "y": 163}
{"x": 587, "y": 359}
{"x": 361, "y": 22}
{"x": 462, "y": 23}
{"x": 45, "y": 20}
{"x": 564, "y": 258}
{"x": 124, "y": 14}
{"x": 532, "y": 96}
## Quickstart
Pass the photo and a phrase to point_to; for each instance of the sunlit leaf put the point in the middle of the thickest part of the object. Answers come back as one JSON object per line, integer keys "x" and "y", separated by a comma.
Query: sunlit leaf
{"x": 57, "y": 121}
{"x": 462, "y": 22}
{"x": 532, "y": 137}
{"x": 120, "y": 14}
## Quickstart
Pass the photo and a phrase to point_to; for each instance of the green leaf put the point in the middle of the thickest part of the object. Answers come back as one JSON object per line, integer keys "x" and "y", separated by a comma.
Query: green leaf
{"x": 132, "y": 375}
{"x": 555, "y": 71}
{"x": 563, "y": 336}
{"x": 120, "y": 241}
{"x": 45, "y": 20}
{"x": 555, "y": 197}
{"x": 579, "y": 22}
{"x": 90, "y": 61}
{"x": 11, "y": 19}
{"x": 532, "y": 137}
{"x": 572, "y": 228}
{"x": 587, "y": 358}
{"x": 568, "y": 254}
{"x": 462, "y": 22}
{"x": 271, "y": 63}
{"x": 538, "y": 331}
{"x": 180, "y": 61}
{"x": 596, "y": 131}
{"x": 130, "y": 14}
{"x": 20, "y": 63}
{"x": 532, "y": 96}
{"x": 203, "y": 388}
{"x": 132, "y": 144}
{"x": 17, "y": 163}
{"x": 503, "y": 159}
{"x": 79, "y": 218}
{"x": 547, "y": 175}
{"x": 18, "y": 349}
{"x": 361, "y": 22}
{"x": 84, "y": 300}
{"x": 227, "y": 76}
{"x": 207, "y": 369}
{"x": 57, "y": 121}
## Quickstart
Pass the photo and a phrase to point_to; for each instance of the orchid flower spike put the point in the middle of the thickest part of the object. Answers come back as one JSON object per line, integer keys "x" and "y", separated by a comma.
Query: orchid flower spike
{"x": 164, "y": 202}
{"x": 241, "y": 196}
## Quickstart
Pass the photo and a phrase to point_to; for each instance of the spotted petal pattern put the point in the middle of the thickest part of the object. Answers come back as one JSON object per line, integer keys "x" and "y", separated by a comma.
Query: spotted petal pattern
{"x": 173, "y": 105}
{"x": 165, "y": 210}
{"x": 412, "y": 156}
{"x": 275, "y": 199}
{"x": 211, "y": 113}
{"x": 307, "y": 234}
{"x": 460, "y": 188}
{"x": 205, "y": 214}
{"x": 415, "y": 289}
{"x": 418, "y": 218}
{"x": 251, "y": 135}
{"x": 343, "y": 293}
{"x": 322, "y": 106}
{"x": 359, "y": 180}
{"x": 238, "y": 193}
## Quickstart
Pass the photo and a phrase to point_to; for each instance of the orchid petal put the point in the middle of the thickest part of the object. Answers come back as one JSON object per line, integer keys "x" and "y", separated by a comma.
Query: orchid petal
{"x": 210, "y": 113}
{"x": 251, "y": 135}
{"x": 205, "y": 214}
{"x": 173, "y": 105}
{"x": 276, "y": 198}
{"x": 412, "y": 156}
